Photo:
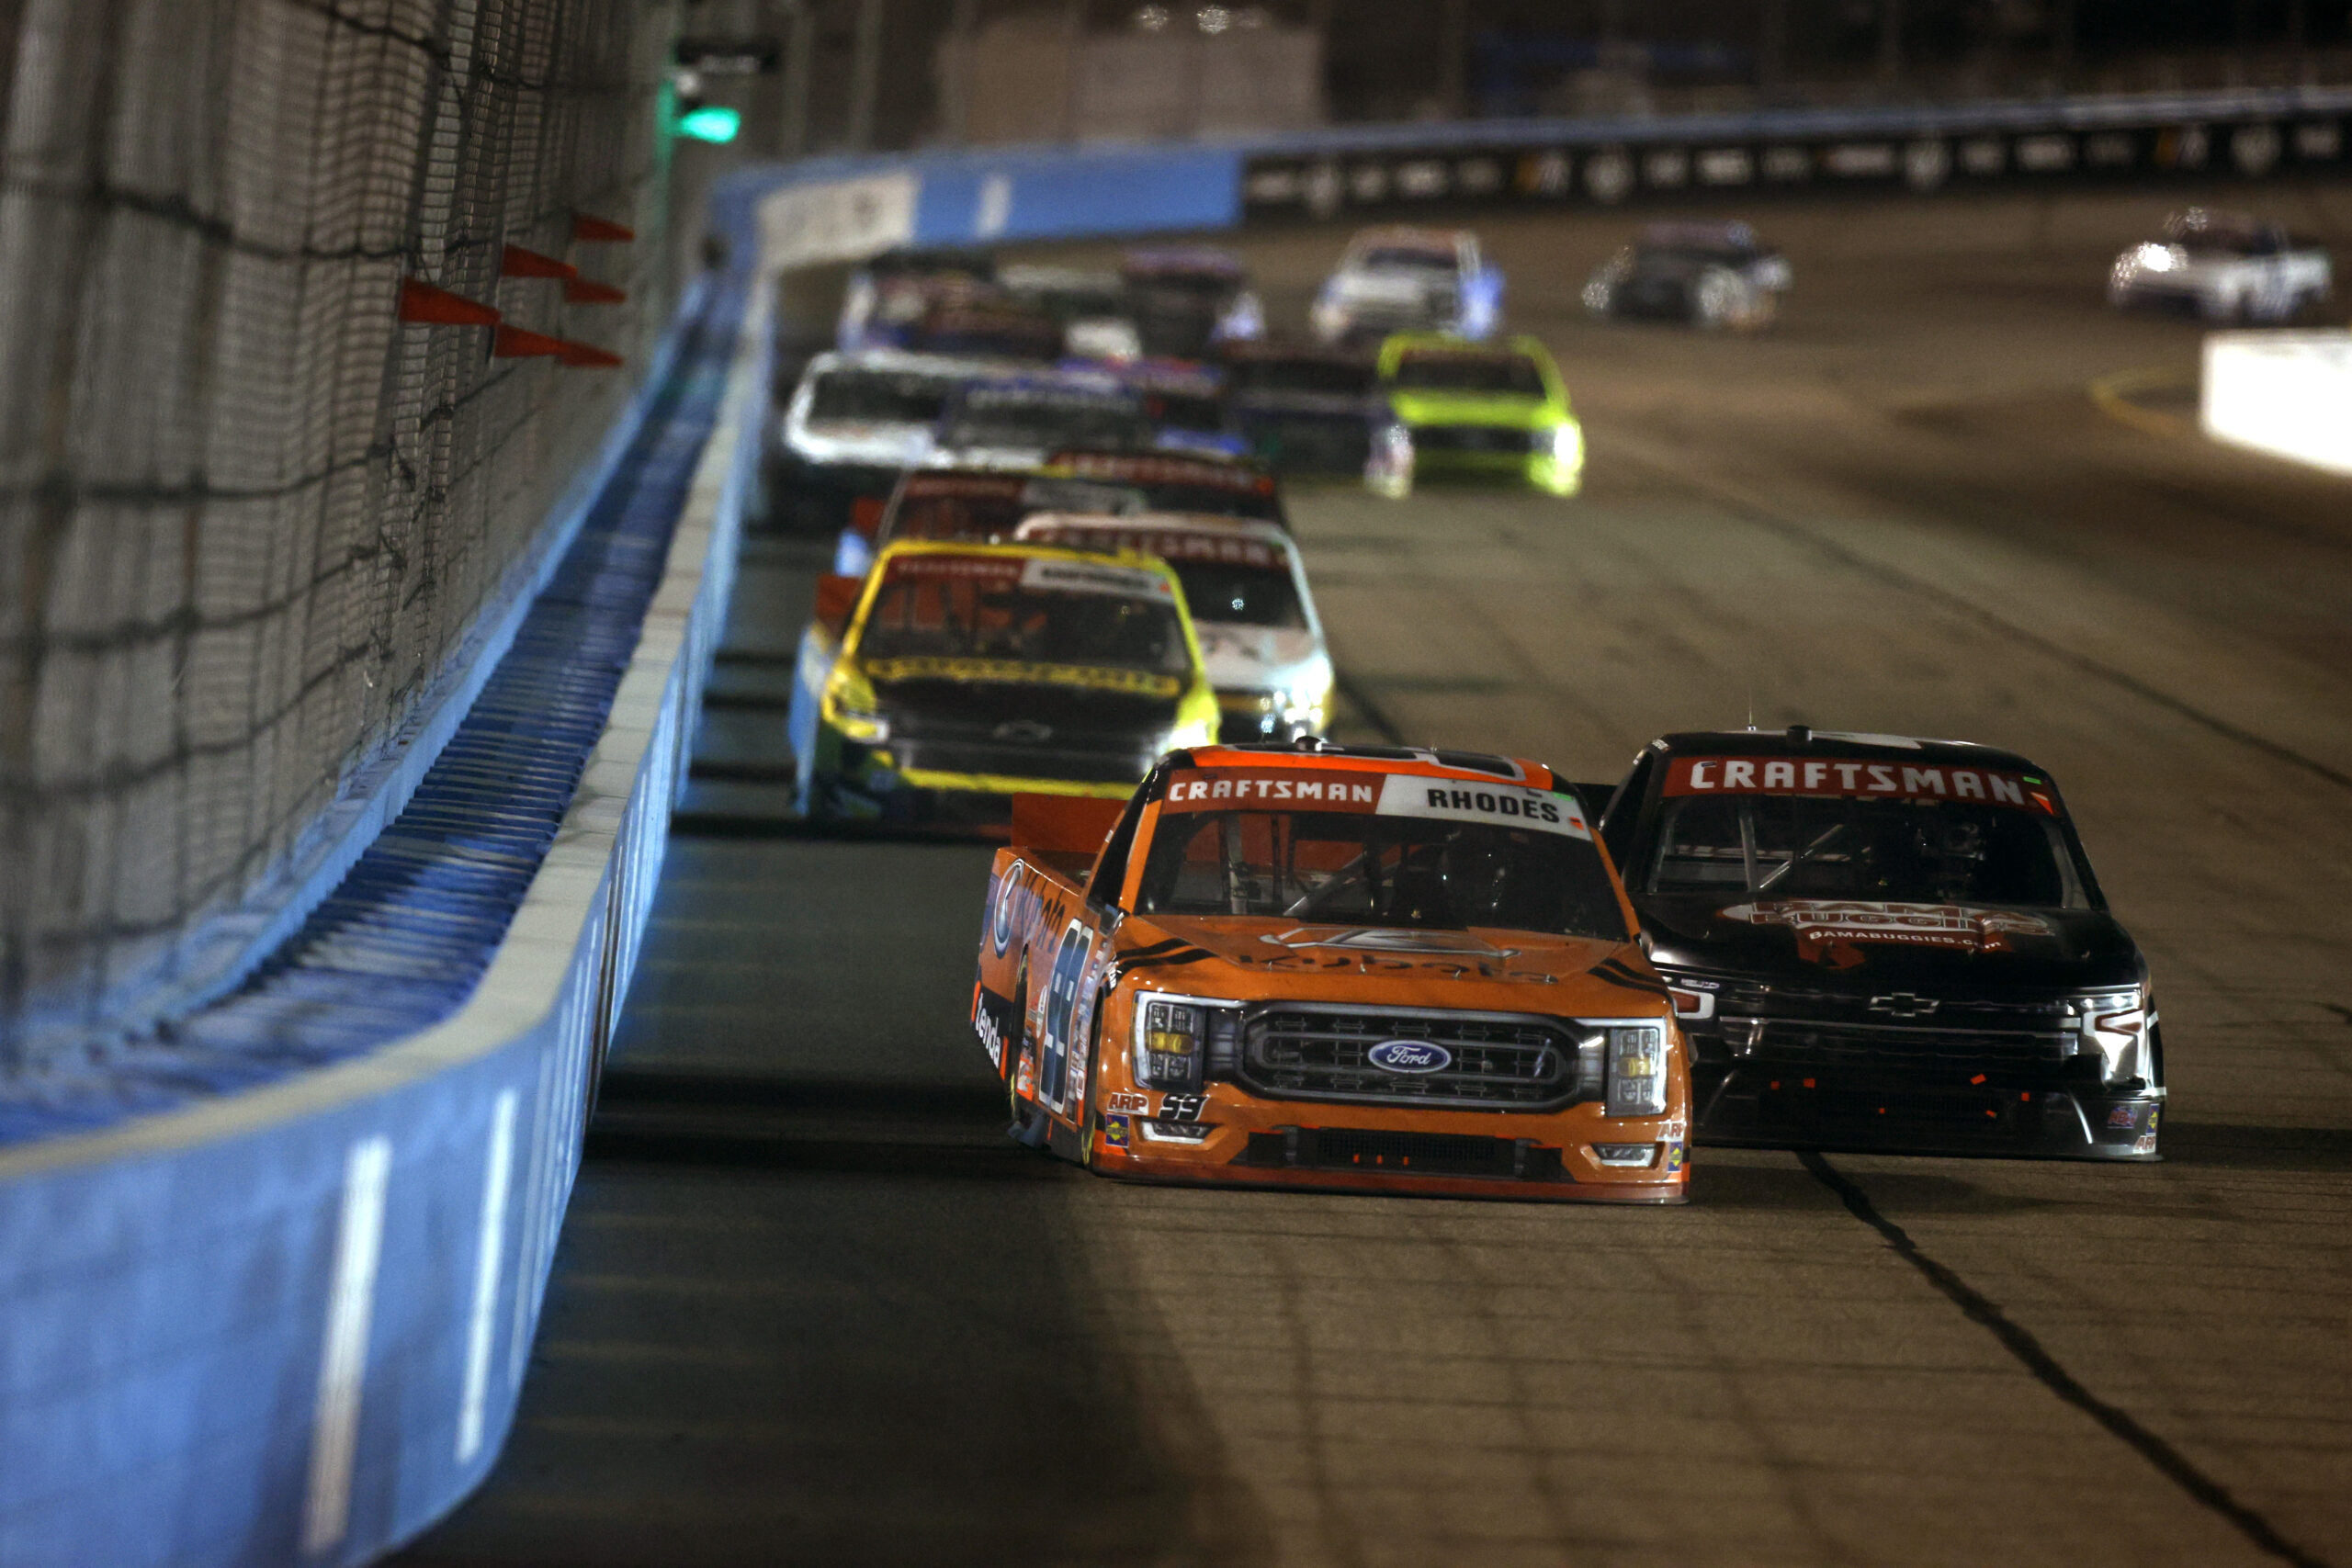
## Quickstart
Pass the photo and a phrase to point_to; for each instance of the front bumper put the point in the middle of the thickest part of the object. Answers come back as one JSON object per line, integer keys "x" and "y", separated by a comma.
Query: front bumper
{"x": 1536, "y": 470}
{"x": 1240, "y": 1139}
{"x": 1786, "y": 1106}
{"x": 856, "y": 781}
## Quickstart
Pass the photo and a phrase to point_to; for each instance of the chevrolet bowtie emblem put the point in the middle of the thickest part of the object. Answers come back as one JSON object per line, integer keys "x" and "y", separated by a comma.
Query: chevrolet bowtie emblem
{"x": 1026, "y": 730}
{"x": 1903, "y": 1004}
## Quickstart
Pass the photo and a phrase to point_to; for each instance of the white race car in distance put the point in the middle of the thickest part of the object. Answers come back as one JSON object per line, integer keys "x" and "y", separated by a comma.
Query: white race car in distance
{"x": 2227, "y": 266}
{"x": 1261, "y": 641}
{"x": 1409, "y": 280}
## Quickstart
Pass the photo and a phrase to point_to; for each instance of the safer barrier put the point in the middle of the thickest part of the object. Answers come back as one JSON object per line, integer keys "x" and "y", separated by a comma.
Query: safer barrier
{"x": 288, "y": 1325}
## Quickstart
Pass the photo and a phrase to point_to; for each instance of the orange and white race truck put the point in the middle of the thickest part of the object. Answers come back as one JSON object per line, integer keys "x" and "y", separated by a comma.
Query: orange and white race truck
{"x": 1369, "y": 968}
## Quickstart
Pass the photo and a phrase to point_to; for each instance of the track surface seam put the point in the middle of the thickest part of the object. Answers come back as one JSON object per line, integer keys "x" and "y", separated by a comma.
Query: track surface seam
{"x": 2019, "y": 1342}
{"x": 1787, "y": 528}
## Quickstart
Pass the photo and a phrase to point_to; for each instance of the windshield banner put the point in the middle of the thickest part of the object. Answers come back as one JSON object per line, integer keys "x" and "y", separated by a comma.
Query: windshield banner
{"x": 1373, "y": 794}
{"x": 1217, "y": 545}
{"x": 1083, "y": 577}
{"x": 1866, "y": 781}
{"x": 1098, "y": 678}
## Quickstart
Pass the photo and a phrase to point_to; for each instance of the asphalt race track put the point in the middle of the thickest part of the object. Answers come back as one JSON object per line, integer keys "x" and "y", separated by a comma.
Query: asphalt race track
{"x": 813, "y": 1308}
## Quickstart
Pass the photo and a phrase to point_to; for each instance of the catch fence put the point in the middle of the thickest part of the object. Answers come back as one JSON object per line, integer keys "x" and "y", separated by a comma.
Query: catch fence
{"x": 251, "y": 517}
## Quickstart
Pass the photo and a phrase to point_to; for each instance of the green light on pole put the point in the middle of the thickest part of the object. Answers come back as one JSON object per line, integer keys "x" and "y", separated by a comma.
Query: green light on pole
{"x": 711, "y": 122}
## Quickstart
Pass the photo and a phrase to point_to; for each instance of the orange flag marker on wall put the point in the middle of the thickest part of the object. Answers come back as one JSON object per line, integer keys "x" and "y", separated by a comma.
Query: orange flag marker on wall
{"x": 516, "y": 261}
{"x": 597, "y": 231}
{"x": 423, "y": 305}
{"x": 587, "y": 356}
{"x": 588, "y": 291}
{"x": 513, "y": 342}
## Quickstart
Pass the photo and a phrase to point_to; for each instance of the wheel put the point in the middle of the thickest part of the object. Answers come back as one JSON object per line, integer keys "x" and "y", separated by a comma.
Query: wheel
{"x": 1715, "y": 299}
{"x": 1028, "y": 1124}
{"x": 1090, "y": 1115}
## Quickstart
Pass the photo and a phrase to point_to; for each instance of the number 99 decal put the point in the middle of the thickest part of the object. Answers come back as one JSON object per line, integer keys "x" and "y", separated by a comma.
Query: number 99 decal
{"x": 1062, "y": 991}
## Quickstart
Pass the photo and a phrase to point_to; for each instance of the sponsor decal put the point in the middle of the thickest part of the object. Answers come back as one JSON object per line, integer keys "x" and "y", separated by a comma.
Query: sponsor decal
{"x": 1025, "y": 1078}
{"x": 1087, "y": 677}
{"x": 1382, "y": 794}
{"x": 1115, "y": 1132}
{"x": 2145, "y": 1144}
{"x": 1084, "y": 577}
{"x": 2122, "y": 1116}
{"x": 1168, "y": 544}
{"x": 1676, "y": 1154}
{"x": 1182, "y": 1107}
{"x": 992, "y": 1019}
{"x": 1127, "y": 1102}
{"x": 1064, "y": 1067}
{"x": 1827, "y": 929}
{"x": 989, "y": 571}
{"x": 1409, "y": 1056}
{"x": 1001, "y": 891}
{"x": 1841, "y": 776}
{"x": 1144, "y": 471}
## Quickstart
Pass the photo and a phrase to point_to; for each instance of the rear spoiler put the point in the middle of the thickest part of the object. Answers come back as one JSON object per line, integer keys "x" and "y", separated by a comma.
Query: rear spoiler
{"x": 1063, "y": 824}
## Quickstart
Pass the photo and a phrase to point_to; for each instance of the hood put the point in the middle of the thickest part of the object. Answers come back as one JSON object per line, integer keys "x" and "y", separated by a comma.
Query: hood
{"x": 1872, "y": 945}
{"x": 1256, "y": 658}
{"x": 1479, "y": 970}
{"x": 990, "y": 692}
{"x": 1517, "y": 412}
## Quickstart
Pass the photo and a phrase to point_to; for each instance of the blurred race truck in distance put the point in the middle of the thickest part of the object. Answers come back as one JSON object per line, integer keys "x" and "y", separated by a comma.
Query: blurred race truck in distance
{"x": 854, "y": 424}
{"x": 1187, "y": 300}
{"x": 953, "y": 676}
{"x": 1714, "y": 275}
{"x": 2226, "y": 267}
{"x": 1484, "y": 414}
{"x": 1247, "y": 591}
{"x": 1315, "y": 410}
{"x": 1402, "y": 279}
{"x": 1373, "y": 969}
{"x": 1096, "y": 316}
{"x": 985, "y": 505}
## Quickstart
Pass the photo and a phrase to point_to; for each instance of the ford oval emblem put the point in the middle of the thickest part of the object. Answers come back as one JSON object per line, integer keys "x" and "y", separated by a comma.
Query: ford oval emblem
{"x": 1409, "y": 1056}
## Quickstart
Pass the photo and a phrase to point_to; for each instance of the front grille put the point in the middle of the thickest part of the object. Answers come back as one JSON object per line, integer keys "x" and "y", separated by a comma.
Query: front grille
{"x": 1499, "y": 1061}
{"x": 1893, "y": 1048}
{"x": 1404, "y": 1154}
{"x": 1478, "y": 438}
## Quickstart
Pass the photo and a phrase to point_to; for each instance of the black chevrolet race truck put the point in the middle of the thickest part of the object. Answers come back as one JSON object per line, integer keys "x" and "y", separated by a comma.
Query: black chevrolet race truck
{"x": 1878, "y": 943}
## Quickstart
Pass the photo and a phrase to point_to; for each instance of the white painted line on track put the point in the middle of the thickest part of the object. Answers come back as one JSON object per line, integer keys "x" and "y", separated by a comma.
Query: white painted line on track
{"x": 343, "y": 1360}
{"x": 497, "y": 1181}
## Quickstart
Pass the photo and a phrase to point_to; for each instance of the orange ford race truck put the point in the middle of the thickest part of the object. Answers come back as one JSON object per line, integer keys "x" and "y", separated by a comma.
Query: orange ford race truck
{"x": 1369, "y": 968}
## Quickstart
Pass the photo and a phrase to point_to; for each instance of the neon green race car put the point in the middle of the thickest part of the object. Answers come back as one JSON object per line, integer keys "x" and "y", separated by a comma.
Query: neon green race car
{"x": 1484, "y": 411}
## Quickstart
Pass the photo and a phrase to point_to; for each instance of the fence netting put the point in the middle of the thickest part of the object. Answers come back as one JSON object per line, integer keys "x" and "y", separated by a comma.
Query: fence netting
{"x": 248, "y": 518}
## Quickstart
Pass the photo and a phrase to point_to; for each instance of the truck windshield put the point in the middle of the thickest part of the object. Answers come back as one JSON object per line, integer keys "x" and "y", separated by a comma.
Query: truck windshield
{"x": 1359, "y": 869}
{"x": 878, "y": 397}
{"x": 1504, "y": 375}
{"x": 1043, "y": 418}
{"x": 1936, "y": 851}
{"x": 1010, "y": 615}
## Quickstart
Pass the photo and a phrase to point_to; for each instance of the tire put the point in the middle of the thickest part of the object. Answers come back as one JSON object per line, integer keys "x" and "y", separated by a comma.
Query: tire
{"x": 1714, "y": 300}
{"x": 1090, "y": 1114}
{"x": 1019, "y": 1110}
